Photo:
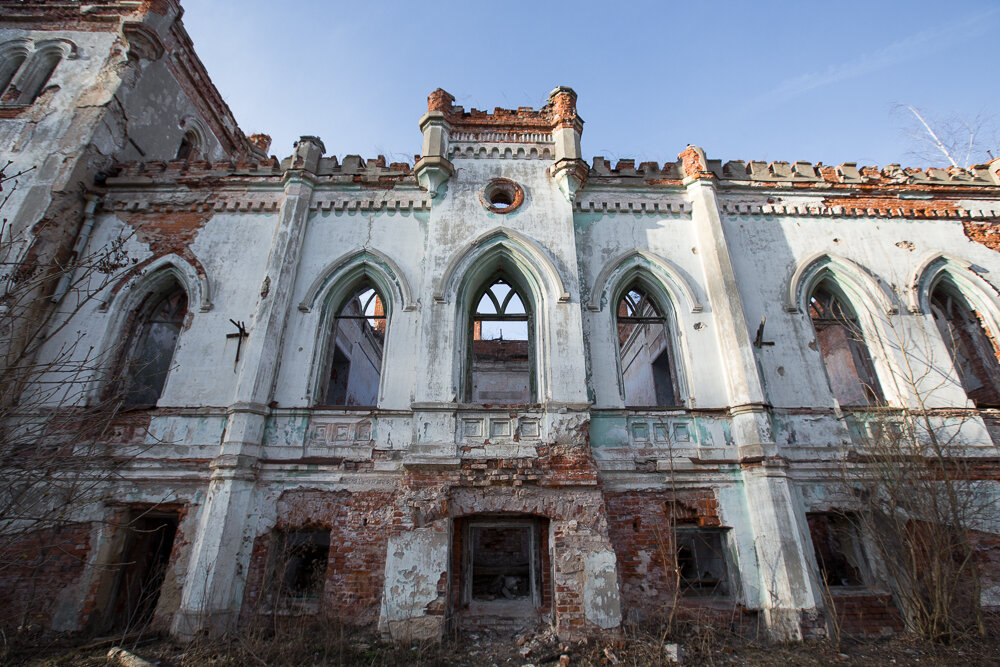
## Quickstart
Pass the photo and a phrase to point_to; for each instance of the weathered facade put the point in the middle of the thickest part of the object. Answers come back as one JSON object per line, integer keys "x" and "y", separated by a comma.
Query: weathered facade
{"x": 495, "y": 386}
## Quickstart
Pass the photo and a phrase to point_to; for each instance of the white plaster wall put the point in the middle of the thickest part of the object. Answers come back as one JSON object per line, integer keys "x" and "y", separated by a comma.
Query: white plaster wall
{"x": 766, "y": 252}
{"x": 54, "y": 130}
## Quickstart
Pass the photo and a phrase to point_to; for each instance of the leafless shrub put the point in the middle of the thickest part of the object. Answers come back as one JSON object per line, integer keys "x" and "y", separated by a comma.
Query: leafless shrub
{"x": 919, "y": 497}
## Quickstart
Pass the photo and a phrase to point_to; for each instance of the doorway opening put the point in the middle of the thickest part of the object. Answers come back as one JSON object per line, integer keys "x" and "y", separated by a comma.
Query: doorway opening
{"x": 138, "y": 576}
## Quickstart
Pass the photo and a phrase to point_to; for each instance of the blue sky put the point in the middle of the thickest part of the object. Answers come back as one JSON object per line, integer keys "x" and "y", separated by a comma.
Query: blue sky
{"x": 806, "y": 80}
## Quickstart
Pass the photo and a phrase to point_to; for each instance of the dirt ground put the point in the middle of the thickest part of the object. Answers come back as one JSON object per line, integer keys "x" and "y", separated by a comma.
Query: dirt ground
{"x": 316, "y": 644}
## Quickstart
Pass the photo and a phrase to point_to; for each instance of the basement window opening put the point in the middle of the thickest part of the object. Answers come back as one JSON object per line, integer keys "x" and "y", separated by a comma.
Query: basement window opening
{"x": 300, "y": 560}
{"x": 145, "y": 558}
{"x": 838, "y": 550}
{"x": 701, "y": 561}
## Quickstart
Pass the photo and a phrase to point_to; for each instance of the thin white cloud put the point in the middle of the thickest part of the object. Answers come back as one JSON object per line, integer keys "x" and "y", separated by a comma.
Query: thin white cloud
{"x": 919, "y": 44}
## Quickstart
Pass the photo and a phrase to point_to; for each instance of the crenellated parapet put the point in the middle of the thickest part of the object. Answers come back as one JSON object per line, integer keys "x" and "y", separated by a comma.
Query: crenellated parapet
{"x": 692, "y": 163}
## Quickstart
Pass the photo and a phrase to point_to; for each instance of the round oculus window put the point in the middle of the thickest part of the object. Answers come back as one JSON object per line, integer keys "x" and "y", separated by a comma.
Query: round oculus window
{"x": 501, "y": 195}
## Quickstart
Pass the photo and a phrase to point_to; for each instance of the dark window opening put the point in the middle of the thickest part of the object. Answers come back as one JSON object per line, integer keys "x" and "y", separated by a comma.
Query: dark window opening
{"x": 648, "y": 375}
{"x": 141, "y": 572}
{"x": 841, "y": 342}
{"x": 838, "y": 549}
{"x": 189, "y": 148}
{"x": 501, "y": 347}
{"x": 701, "y": 562}
{"x": 501, "y": 199}
{"x": 150, "y": 351}
{"x": 355, "y": 351}
{"x": 299, "y": 566}
{"x": 969, "y": 344}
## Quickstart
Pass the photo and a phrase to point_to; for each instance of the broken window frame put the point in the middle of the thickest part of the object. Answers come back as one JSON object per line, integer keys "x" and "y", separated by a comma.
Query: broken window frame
{"x": 662, "y": 317}
{"x": 723, "y": 586}
{"x": 838, "y": 311}
{"x": 140, "y": 331}
{"x": 475, "y": 316}
{"x": 533, "y": 526}
{"x": 279, "y": 593}
{"x": 945, "y": 297}
{"x": 331, "y": 346}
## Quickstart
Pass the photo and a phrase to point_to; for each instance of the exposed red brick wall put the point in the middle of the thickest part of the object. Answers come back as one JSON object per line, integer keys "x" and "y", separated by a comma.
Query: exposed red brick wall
{"x": 987, "y": 233}
{"x": 641, "y": 527}
{"x": 37, "y": 568}
{"x": 866, "y": 614}
{"x": 359, "y": 530}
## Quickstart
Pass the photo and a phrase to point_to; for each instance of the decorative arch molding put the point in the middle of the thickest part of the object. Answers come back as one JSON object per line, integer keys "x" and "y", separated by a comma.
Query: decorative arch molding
{"x": 153, "y": 275}
{"x": 980, "y": 292}
{"x": 635, "y": 263}
{"x": 343, "y": 272}
{"x": 526, "y": 253}
{"x": 861, "y": 285}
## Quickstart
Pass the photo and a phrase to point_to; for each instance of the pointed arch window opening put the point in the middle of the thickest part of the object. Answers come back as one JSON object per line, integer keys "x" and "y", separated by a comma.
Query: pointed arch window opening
{"x": 150, "y": 349}
{"x": 356, "y": 350}
{"x": 501, "y": 359}
{"x": 649, "y": 376}
{"x": 970, "y": 346}
{"x": 841, "y": 342}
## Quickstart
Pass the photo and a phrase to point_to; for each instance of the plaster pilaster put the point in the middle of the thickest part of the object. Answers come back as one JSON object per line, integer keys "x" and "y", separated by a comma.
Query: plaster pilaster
{"x": 786, "y": 589}
{"x": 220, "y": 555}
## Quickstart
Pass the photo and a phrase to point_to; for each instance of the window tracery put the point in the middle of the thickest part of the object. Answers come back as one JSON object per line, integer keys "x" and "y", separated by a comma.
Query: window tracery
{"x": 648, "y": 372}
{"x": 502, "y": 356}
{"x": 355, "y": 350}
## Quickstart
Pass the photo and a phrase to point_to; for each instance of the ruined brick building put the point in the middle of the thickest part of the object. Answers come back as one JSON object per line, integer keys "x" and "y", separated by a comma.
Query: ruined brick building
{"x": 498, "y": 385}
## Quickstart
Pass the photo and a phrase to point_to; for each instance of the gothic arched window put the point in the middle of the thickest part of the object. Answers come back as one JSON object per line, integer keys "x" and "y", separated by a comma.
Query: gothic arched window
{"x": 355, "y": 350}
{"x": 648, "y": 373}
{"x": 502, "y": 341}
{"x": 841, "y": 342}
{"x": 969, "y": 345}
{"x": 149, "y": 351}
